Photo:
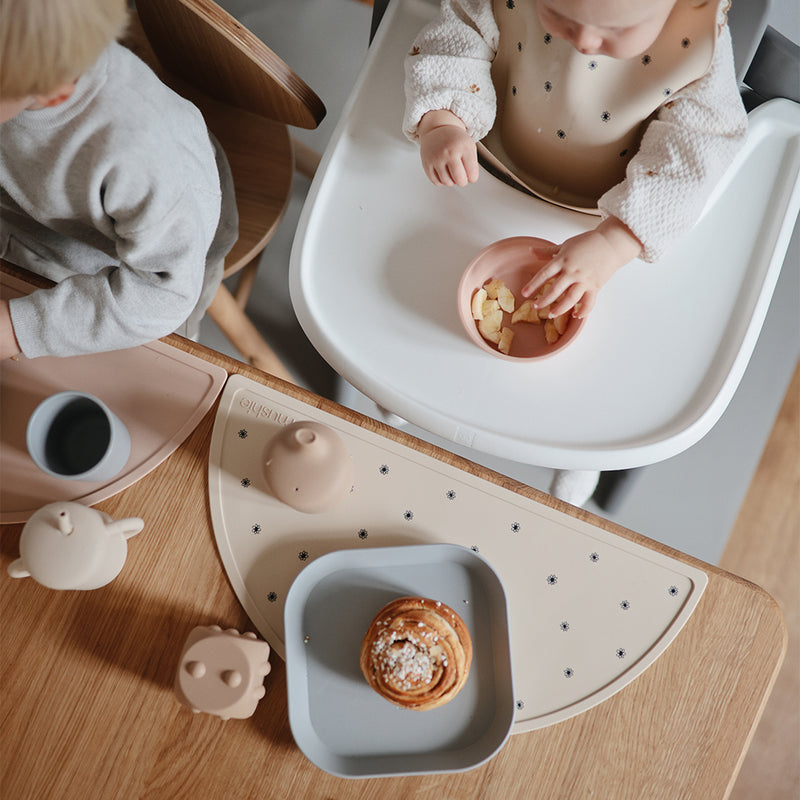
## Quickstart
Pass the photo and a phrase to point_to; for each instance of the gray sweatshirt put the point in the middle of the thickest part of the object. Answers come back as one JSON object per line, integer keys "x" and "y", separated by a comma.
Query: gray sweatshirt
{"x": 115, "y": 195}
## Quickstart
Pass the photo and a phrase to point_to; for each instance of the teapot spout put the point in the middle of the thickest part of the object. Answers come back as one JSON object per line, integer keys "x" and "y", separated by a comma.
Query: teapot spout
{"x": 17, "y": 569}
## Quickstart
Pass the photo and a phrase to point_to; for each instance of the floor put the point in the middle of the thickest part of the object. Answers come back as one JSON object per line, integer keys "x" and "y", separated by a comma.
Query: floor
{"x": 690, "y": 501}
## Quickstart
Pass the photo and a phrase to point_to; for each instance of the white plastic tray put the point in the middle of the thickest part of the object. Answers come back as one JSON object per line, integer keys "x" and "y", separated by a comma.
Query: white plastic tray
{"x": 379, "y": 252}
{"x": 337, "y": 720}
{"x": 588, "y": 611}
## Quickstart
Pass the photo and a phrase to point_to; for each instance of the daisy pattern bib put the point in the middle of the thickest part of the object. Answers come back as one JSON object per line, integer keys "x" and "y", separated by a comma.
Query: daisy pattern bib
{"x": 567, "y": 123}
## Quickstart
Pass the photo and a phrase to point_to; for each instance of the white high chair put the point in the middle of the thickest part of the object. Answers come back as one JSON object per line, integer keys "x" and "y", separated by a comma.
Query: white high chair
{"x": 379, "y": 251}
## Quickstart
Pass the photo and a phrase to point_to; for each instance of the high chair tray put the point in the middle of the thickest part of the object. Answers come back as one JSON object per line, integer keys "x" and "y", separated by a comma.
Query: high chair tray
{"x": 379, "y": 252}
{"x": 589, "y": 611}
{"x": 160, "y": 392}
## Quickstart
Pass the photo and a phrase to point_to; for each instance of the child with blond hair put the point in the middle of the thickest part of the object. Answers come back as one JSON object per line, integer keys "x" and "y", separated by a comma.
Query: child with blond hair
{"x": 109, "y": 185}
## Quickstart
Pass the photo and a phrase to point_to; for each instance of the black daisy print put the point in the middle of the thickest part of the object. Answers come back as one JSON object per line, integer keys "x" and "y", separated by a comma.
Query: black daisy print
{"x": 519, "y": 47}
{"x": 562, "y": 134}
{"x": 303, "y": 555}
{"x": 569, "y": 672}
{"x": 623, "y": 153}
{"x": 621, "y": 652}
{"x": 625, "y": 605}
{"x": 548, "y": 38}
{"x": 384, "y": 469}
{"x": 594, "y": 557}
{"x": 242, "y": 433}
{"x": 592, "y": 65}
{"x": 605, "y": 116}
{"x": 272, "y": 597}
{"x": 245, "y": 482}
{"x": 564, "y": 626}
{"x": 685, "y": 42}
{"x": 514, "y": 91}
{"x": 408, "y": 516}
{"x": 673, "y": 591}
{"x": 646, "y": 59}
{"x": 667, "y": 92}
{"x": 450, "y": 495}
{"x": 520, "y": 705}
{"x": 475, "y": 548}
{"x": 516, "y": 527}
{"x": 548, "y": 86}
{"x": 552, "y": 580}
{"x": 362, "y": 534}
{"x": 510, "y": 3}
{"x": 255, "y": 528}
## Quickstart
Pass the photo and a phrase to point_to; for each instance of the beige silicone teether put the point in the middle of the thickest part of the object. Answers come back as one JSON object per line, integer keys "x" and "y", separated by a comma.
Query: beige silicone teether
{"x": 306, "y": 465}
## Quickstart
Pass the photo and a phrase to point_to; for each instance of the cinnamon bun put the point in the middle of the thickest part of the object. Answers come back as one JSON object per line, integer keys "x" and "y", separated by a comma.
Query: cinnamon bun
{"x": 417, "y": 653}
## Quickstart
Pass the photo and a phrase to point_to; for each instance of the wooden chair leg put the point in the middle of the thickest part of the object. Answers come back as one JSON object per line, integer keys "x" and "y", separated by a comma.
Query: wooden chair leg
{"x": 306, "y": 159}
{"x": 244, "y": 336}
{"x": 247, "y": 276}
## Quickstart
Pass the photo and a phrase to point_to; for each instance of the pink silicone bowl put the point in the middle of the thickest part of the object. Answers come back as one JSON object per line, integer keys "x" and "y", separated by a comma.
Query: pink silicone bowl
{"x": 514, "y": 262}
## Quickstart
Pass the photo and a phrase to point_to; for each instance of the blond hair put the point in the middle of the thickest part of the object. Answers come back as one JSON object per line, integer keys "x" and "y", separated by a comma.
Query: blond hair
{"x": 45, "y": 43}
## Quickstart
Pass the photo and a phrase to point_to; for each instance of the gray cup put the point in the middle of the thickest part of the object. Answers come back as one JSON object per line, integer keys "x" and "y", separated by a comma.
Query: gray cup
{"x": 75, "y": 436}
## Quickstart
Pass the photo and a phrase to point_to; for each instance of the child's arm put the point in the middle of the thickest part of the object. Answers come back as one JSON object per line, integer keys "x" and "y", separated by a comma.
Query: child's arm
{"x": 581, "y": 266}
{"x": 8, "y": 340}
{"x": 448, "y": 84}
{"x": 449, "y": 154}
{"x": 684, "y": 153}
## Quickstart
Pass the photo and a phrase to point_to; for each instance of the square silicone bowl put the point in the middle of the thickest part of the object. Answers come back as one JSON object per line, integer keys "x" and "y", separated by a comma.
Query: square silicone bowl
{"x": 514, "y": 261}
{"x": 339, "y": 722}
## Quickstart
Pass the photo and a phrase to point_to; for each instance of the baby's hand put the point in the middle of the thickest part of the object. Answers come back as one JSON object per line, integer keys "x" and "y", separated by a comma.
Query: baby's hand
{"x": 449, "y": 154}
{"x": 581, "y": 266}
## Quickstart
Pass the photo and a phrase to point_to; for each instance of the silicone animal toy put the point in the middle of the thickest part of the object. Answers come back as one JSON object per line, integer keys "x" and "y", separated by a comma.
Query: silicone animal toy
{"x": 67, "y": 545}
{"x": 222, "y": 672}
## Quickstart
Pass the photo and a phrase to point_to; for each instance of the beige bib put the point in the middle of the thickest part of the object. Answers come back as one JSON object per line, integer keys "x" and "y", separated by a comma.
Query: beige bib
{"x": 567, "y": 124}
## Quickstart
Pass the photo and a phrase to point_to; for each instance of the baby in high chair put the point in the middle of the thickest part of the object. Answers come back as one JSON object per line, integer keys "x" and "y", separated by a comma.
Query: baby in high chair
{"x": 626, "y": 108}
{"x": 629, "y": 109}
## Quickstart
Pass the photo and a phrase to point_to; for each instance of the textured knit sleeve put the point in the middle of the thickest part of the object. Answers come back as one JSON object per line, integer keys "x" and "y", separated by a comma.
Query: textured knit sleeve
{"x": 449, "y": 67}
{"x": 683, "y": 155}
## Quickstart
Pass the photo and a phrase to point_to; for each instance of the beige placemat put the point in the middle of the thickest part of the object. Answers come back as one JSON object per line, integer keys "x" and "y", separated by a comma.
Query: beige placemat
{"x": 589, "y": 611}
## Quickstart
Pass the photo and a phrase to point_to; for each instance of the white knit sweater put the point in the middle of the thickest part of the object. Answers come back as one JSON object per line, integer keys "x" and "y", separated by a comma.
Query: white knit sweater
{"x": 683, "y": 154}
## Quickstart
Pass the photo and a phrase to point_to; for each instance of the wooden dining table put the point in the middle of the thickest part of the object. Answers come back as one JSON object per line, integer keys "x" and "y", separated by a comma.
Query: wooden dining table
{"x": 87, "y": 708}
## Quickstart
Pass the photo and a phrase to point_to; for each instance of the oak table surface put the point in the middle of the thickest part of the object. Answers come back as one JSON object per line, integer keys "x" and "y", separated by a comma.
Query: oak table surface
{"x": 87, "y": 708}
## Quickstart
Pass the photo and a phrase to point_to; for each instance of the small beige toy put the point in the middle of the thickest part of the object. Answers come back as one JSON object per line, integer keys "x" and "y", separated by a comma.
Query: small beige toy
{"x": 222, "y": 672}
{"x": 66, "y": 545}
{"x": 307, "y": 466}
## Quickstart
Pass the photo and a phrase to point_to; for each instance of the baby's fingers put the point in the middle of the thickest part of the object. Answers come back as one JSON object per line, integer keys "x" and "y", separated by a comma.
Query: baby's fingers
{"x": 585, "y": 305}
{"x": 540, "y": 279}
{"x": 458, "y": 173}
{"x": 560, "y": 305}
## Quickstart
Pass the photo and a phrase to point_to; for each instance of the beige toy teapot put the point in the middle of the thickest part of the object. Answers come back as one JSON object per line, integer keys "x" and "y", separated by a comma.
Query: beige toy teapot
{"x": 67, "y": 545}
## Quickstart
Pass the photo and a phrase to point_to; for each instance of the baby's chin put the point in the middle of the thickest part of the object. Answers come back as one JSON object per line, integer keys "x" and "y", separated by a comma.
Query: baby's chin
{"x": 627, "y": 50}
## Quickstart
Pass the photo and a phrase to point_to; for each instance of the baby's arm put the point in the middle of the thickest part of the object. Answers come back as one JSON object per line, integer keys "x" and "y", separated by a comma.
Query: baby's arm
{"x": 683, "y": 155}
{"x": 450, "y": 99}
{"x": 581, "y": 266}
